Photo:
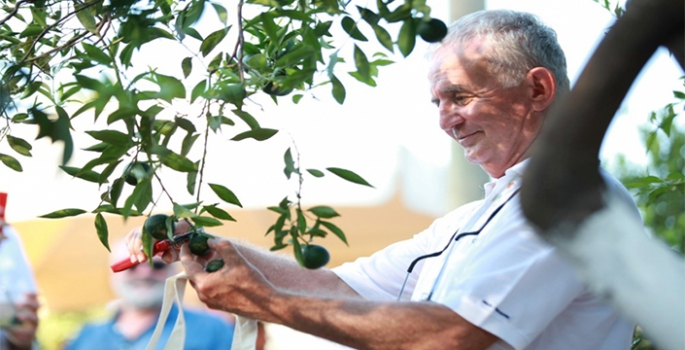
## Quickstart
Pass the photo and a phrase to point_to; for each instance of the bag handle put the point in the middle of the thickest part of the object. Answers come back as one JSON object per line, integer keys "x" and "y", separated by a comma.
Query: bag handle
{"x": 244, "y": 335}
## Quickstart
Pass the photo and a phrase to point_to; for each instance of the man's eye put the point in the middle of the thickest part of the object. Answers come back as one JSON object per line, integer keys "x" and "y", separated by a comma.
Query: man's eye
{"x": 461, "y": 99}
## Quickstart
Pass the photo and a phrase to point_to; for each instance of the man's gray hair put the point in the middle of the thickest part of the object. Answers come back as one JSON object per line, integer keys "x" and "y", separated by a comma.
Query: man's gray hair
{"x": 517, "y": 42}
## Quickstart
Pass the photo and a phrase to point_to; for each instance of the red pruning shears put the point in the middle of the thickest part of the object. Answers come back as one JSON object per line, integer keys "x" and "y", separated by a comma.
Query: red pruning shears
{"x": 159, "y": 248}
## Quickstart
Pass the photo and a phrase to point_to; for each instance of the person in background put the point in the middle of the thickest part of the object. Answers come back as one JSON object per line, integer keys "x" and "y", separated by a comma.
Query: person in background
{"x": 141, "y": 291}
{"x": 18, "y": 302}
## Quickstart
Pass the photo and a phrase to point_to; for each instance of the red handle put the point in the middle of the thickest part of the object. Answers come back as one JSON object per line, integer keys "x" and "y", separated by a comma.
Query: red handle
{"x": 126, "y": 263}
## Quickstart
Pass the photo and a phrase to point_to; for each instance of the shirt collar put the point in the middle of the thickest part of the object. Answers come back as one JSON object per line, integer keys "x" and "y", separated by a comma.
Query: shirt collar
{"x": 510, "y": 174}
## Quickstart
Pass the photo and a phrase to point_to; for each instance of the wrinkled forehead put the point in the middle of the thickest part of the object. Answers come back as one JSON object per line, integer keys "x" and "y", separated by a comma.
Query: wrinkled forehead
{"x": 454, "y": 60}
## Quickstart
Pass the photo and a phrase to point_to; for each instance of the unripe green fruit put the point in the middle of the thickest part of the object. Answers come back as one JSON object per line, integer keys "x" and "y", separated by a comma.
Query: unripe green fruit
{"x": 130, "y": 175}
{"x": 314, "y": 256}
{"x": 432, "y": 31}
{"x": 214, "y": 265}
{"x": 155, "y": 225}
{"x": 198, "y": 244}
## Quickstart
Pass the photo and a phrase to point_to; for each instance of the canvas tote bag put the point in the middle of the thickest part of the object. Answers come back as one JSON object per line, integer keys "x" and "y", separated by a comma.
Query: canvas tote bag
{"x": 244, "y": 335}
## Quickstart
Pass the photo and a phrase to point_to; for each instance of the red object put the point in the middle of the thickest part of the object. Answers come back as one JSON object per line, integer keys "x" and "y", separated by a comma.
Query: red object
{"x": 157, "y": 249}
{"x": 3, "y": 204}
{"x": 126, "y": 263}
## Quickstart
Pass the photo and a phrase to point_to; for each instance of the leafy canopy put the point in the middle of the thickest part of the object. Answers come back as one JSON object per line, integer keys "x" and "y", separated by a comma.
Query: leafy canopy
{"x": 62, "y": 60}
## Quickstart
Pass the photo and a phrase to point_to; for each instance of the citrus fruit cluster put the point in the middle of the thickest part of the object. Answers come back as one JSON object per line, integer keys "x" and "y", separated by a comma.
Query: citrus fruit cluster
{"x": 156, "y": 226}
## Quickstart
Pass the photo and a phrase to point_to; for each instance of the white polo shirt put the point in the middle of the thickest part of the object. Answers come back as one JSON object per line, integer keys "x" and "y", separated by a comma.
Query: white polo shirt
{"x": 505, "y": 279}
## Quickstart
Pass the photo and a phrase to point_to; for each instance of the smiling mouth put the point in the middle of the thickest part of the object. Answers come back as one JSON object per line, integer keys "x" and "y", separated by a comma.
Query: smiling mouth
{"x": 456, "y": 135}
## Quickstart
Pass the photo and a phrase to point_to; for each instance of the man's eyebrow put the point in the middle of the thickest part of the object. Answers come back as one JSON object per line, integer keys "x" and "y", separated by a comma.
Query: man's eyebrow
{"x": 451, "y": 89}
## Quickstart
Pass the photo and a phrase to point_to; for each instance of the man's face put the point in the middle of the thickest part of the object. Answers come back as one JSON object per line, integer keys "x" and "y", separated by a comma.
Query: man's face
{"x": 142, "y": 287}
{"x": 494, "y": 125}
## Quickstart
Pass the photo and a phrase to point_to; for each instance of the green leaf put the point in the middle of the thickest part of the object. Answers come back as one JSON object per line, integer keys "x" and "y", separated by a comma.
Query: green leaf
{"x": 125, "y": 113}
{"x": 218, "y": 212}
{"x": 231, "y": 93}
{"x": 56, "y": 130}
{"x": 362, "y": 63}
{"x": 212, "y": 40}
{"x": 225, "y": 194}
{"x": 175, "y": 161}
{"x": 384, "y": 37}
{"x": 324, "y": 212}
{"x": 183, "y": 212}
{"x": 89, "y": 83}
{"x": 247, "y": 118}
{"x": 205, "y": 221}
{"x": 198, "y": 90}
{"x": 169, "y": 87}
{"x": 20, "y": 145}
{"x": 221, "y": 12}
{"x": 301, "y": 221}
{"x": 88, "y": 175}
{"x": 297, "y": 249}
{"x": 190, "y": 182}
{"x": 679, "y": 94}
{"x": 369, "y": 16}
{"x": 338, "y": 90}
{"x": 269, "y": 26}
{"x": 289, "y": 164}
{"x": 350, "y": 26}
{"x": 31, "y": 31}
{"x": 295, "y": 56}
{"x": 141, "y": 197}
{"x": 95, "y": 54}
{"x": 315, "y": 173}
{"x": 349, "y": 176}
{"x": 115, "y": 191}
{"x": 87, "y": 20}
{"x": 258, "y": 134}
{"x": 112, "y": 137}
{"x": 187, "y": 143}
{"x": 336, "y": 231}
{"x": 63, "y": 213}
{"x": 401, "y": 13}
{"x": 148, "y": 244}
{"x": 187, "y": 66}
{"x": 101, "y": 228}
{"x": 104, "y": 175}
{"x": 407, "y": 38}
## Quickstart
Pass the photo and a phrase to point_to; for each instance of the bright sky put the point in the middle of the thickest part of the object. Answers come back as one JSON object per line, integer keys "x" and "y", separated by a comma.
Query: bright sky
{"x": 388, "y": 134}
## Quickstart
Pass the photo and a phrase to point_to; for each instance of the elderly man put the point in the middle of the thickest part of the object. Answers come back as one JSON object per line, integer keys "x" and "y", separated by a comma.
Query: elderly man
{"x": 477, "y": 278}
{"x": 141, "y": 292}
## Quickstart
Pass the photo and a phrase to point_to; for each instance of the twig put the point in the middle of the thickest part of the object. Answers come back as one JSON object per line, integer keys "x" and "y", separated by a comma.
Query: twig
{"x": 48, "y": 28}
{"x": 204, "y": 156}
{"x": 13, "y": 12}
{"x": 241, "y": 42}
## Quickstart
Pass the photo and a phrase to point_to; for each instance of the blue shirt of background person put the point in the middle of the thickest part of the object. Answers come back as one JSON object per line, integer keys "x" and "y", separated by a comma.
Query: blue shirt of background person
{"x": 203, "y": 332}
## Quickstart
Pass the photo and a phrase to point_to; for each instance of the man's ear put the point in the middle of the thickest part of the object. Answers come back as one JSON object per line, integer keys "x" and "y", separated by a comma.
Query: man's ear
{"x": 542, "y": 87}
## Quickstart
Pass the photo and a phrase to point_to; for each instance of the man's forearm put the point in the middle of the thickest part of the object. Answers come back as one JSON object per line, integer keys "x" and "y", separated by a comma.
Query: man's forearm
{"x": 372, "y": 325}
{"x": 285, "y": 273}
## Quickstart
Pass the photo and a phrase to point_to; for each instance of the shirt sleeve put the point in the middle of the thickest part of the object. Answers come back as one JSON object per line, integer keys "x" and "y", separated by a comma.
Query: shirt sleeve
{"x": 381, "y": 275}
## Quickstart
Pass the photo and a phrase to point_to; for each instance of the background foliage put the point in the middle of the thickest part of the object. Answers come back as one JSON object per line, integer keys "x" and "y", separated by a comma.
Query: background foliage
{"x": 63, "y": 60}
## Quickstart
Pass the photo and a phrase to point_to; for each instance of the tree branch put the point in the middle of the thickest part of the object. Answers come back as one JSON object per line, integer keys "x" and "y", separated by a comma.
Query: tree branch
{"x": 13, "y": 12}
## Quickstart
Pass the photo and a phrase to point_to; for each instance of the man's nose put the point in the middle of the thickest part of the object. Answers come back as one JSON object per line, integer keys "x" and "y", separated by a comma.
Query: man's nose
{"x": 449, "y": 116}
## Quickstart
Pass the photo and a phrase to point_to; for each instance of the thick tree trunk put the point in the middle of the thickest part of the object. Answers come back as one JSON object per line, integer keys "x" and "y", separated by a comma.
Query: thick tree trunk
{"x": 565, "y": 197}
